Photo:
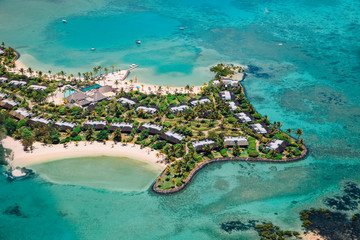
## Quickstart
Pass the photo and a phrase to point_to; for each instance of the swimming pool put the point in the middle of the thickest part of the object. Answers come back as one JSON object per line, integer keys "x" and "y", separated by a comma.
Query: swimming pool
{"x": 85, "y": 89}
{"x": 69, "y": 91}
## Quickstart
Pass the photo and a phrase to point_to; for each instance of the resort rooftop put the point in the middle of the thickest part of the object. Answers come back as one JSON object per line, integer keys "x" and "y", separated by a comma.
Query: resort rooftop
{"x": 150, "y": 110}
{"x": 244, "y": 117}
{"x": 23, "y": 112}
{"x": 175, "y": 135}
{"x": 65, "y": 124}
{"x": 202, "y": 143}
{"x": 179, "y": 108}
{"x": 259, "y": 128}
{"x": 125, "y": 100}
{"x": 40, "y": 120}
{"x": 227, "y": 95}
{"x": 3, "y": 95}
{"x": 38, "y": 87}
{"x": 17, "y": 83}
{"x": 153, "y": 126}
{"x": 10, "y": 102}
{"x": 121, "y": 125}
{"x": 274, "y": 144}
{"x": 90, "y": 122}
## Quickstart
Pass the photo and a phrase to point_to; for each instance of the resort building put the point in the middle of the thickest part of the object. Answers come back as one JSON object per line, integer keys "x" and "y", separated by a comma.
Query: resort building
{"x": 98, "y": 97}
{"x": 79, "y": 98}
{"x": 179, "y": 108}
{"x": 240, "y": 140}
{"x": 260, "y": 128}
{"x": 39, "y": 120}
{"x": 91, "y": 107}
{"x": 149, "y": 110}
{"x": 276, "y": 145}
{"x": 227, "y": 96}
{"x": 38, "y": 87}
{"x": 229, "y": 82}
{"x": 194, "y": 102}
{"x": 126, "y": 100}
{"x": 8, "y": 103}
{"x": 124, "y": 127}
{"x": 225, "y": 82}
{"x": 107, "y": 91}
{"x": 199, "y": 145}
{"x": 172, "y": 137}
{"x": 97, "y": 125}
{"x": 153, "y": 129}
{"x": 17, "y": 83}
{"x": 3, "y": 95}
{"x": 20, "y": 113}
{"x": 233, "y": 105}
{"x": 244, "y": 117}
{"x": 2, "y": 52}
{"x": 3, "y": 79}
{"x": 65, "y": 125}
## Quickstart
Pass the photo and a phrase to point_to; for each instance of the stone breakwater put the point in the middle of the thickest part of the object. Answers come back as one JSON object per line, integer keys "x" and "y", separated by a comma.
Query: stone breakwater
{"x": 225, "y": 159}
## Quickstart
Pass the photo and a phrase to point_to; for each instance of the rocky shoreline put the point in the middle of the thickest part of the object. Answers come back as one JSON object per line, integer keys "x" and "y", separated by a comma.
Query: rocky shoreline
{"x": 225, "y": 159}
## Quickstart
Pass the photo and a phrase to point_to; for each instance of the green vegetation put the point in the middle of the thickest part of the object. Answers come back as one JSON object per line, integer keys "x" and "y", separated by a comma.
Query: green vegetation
{"x": 271, "y": 232}
{"x": 213, "y": 120}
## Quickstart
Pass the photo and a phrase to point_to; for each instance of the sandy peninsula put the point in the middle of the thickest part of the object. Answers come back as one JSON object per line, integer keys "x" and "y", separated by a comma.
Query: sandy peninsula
{"x": 45, "y": 153}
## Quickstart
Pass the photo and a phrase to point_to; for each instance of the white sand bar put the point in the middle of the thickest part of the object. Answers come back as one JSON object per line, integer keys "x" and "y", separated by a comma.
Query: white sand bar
{"x": 45, "y": 153}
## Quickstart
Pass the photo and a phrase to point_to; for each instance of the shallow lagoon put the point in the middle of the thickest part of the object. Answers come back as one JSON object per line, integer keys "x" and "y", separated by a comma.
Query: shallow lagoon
{"x": 101, "y": 172}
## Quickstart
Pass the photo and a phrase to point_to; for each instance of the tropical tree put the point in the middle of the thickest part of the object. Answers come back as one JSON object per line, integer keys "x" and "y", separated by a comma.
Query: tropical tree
{"x": 22, "y": 71}
{"x": 299, "y": 132}
{"x": 106, "y": 70}
{"x": 30, "y": 71}
{"x": 3, "y": 44}
{"x": 117, "y": 135}
{"x": 236, "y": 150}
{"x": 289, "y": 131}
{"x": 27, "y": 138}
{"x": 112, "y": 66}
{"x": 90, "y": 134}
{"x": 208, "y": 148}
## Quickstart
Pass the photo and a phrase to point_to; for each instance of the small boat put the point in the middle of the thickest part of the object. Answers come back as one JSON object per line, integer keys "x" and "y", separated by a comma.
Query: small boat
{"x": 266, "y": 11}
{"x": 64, "y": 21}
{"x": 92, "y": 49}
{"x": 138, "y": 41}
{"x": 181, "y": 28}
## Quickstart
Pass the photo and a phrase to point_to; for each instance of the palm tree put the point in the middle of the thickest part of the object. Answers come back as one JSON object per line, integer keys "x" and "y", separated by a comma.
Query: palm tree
{"x": 289, "y": 131}
{"x": 79, "y": 75}
{"x": 30, "y": 70}
{"x": 22, "y": 71}
{"x": 116, "y": 83}
{"x": 99, "y": 68}
{"x": 95, "y": 69}
{"x": 299, "y": 132}
{"x": 112, "y": 66}
{"x": 3, "y": 44}
{"x": 106, "y": 70}
{"x": 208, "y": 148}
{"x": 142, "y": 86}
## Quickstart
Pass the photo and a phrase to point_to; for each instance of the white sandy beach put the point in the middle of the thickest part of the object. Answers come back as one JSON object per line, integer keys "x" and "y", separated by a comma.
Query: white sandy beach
{"x": 45, "y": 153}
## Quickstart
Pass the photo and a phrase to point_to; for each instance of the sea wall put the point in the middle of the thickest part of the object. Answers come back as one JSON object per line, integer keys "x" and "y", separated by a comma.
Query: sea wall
{"x": 225, "y": 159}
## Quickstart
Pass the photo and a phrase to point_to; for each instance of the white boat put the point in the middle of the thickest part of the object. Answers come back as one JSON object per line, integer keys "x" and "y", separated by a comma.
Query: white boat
{"x": 92, "y": 49}
{"x": 181, "y": 28}
{"x": 64, "y": 21}
{"x": 138, "y": 41}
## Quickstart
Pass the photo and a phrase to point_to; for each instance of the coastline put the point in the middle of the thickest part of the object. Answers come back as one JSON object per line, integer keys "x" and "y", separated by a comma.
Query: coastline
{"x": 46, "y": 153}
{"x": 108, "y": 79}
{"x": 197, "y": 169}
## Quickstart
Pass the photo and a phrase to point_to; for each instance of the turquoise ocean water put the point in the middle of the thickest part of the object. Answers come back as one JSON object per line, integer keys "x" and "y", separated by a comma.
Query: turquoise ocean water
{"x": 309, "y": 81}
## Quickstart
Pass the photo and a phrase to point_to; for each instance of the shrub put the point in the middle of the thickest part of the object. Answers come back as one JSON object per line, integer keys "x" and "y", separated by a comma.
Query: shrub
{"x": 232, "y": 120}
{"x": 223, "y": 153}
{"x": 253, "y": 153}
{"x": 257, "y": 115}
